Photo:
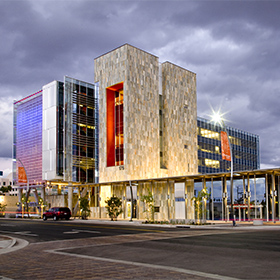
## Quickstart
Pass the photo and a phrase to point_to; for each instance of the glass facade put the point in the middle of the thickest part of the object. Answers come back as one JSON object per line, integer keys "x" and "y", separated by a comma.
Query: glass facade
{"x": 245, "y": 148}
{"x": 81, "y": 131}
{"x": 27, "y": 141}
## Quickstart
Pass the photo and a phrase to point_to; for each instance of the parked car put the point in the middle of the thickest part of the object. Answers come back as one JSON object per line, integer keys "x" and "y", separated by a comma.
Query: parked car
{"x": 57, "y": 213}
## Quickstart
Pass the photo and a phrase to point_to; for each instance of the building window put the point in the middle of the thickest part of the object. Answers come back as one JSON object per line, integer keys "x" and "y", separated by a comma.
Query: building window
{"x": 115, "y": 151}
{"x": 212, "y": 163}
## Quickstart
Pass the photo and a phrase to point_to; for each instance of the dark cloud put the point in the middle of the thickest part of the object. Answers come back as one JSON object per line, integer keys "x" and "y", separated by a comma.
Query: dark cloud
{"x": 232, "y": 46}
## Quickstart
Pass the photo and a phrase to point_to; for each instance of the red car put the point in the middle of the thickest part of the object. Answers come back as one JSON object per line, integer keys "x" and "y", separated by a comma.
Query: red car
{"x": 57, "y": 213}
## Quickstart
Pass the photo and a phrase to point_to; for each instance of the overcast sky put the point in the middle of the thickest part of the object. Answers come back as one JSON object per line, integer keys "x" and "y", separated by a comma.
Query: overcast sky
{"x": 232, "y": 46}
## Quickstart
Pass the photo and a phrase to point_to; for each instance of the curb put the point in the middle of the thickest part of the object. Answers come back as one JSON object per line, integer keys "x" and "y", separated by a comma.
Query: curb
{"x": 7, "y": 241}
{"x": 12, "y": 244}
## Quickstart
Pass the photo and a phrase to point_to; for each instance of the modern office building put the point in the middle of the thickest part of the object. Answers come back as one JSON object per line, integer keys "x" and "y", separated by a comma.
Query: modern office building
{"x": 245, "y": 148}
{"x": 42, "y": 151}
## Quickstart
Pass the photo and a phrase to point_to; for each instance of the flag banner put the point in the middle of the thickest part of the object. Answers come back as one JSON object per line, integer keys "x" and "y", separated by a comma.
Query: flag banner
{"x": 225, "y": 146}
{"x": 21, "y": 175}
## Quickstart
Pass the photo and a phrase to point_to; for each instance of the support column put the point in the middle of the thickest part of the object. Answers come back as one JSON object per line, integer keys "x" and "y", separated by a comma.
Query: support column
{"x": 70, "y": 197}
{"x": 186, "y": 197}
{"x": 212, "y": 199}
{"x": 239, "y": 213}
{"x": 273, "y": 196}
{"x": 167, "y": 199}
{"x": 225, "y": 195}
{"x": 266, "y": 198}
{"x": 278, "y": 198}
{"x": 171, "y": 201}
{"x": 204, "y": 202}
{"x": 99, "y": 207}
{"x": 244, "y": 197}
{"x": 124, "y": 200}
{"x": 137, "y": 201}
{"x": 249, "y": 197}
{"x": 153, "y": 193}
{"x": 255, "y": 194}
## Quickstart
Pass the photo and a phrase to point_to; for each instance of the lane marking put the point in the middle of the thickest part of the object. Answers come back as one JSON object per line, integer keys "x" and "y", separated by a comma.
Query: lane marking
{"x": 88, "y": 231}
{"x": 80, "y": 231}
{"x": 154, "y": 266}
{"x": 27, "y": 233}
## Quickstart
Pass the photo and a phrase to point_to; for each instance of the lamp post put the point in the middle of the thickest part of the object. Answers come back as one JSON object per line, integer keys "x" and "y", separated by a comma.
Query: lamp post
{"x": 217, "y": 118}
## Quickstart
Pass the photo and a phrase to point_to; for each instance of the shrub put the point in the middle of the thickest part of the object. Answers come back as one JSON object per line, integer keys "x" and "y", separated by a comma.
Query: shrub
{"x": 114, "y": 207}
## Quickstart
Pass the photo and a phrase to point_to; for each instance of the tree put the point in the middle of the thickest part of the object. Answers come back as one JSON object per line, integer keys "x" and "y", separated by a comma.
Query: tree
{"x": 2, "y": 209}
{"x": 149, "y": 203}
{"x": 199, "y": 201}
{"x": 114, "y": 207}
{"x": 84, "y": 206}
{"x": 4, "y": 189}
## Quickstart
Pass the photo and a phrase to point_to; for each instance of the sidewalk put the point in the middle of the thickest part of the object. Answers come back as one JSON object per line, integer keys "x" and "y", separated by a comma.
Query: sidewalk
{"x": 210, "y": 224}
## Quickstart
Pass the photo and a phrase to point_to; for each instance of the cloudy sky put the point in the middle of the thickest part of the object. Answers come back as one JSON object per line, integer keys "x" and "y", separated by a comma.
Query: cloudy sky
{"x": 232, "y": 46}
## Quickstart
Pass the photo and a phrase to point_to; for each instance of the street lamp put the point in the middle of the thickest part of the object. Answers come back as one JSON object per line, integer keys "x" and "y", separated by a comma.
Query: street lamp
{"x": 226, "y": 145}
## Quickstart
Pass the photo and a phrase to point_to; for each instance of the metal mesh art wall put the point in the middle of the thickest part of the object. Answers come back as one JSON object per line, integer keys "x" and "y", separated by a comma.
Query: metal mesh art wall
{"x": 28, "y": 137}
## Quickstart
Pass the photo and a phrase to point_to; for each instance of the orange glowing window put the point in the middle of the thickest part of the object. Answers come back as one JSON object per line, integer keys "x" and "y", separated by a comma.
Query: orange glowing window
{"x": 115, "y": 152}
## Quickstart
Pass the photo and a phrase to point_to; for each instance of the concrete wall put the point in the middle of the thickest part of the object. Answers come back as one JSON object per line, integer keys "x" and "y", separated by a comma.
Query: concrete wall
{"x": 179, "y": 120}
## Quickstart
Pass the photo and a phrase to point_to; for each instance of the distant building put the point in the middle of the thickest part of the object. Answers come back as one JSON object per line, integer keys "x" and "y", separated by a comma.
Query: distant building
{"x": 5, "y": 182}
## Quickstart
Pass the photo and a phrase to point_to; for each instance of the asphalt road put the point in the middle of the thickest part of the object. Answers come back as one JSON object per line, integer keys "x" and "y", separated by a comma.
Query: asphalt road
{"x": 97, "y": 251}
{"x": 40, "y": 231}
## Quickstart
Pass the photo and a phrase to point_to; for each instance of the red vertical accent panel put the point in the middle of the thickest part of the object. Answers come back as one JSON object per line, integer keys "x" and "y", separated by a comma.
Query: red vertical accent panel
{"x": 110, "y": 127}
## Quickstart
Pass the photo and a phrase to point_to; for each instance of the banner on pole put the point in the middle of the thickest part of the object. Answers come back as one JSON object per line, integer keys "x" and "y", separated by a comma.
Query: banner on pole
{"x": 21, "y": 175}
{"x": 225, "y": 146}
